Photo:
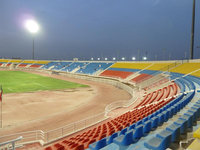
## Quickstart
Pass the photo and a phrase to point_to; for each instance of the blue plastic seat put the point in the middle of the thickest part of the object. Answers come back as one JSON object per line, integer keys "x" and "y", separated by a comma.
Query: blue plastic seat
{"x": 147, "y": 127}
{"x": 145, "y": 119}
{"x": 166, "y": 114}
{"x": 197, "y": 109}
{"x": 170, "y": 112}
{"x": 174, "y": 108}
{"x": 132, "y": 126}
{"x": 110, "y": 139}
{"x": 183, "y": 125}
{"x": 192, "y": 114}
{"x": 124, "y": 140}
{"x": 175, "y": 129}
{"x": 137, "y": 133}
{"x": 97, "y": 145}
{"x": 160, "y": 142}
{"x": 157, "y": 143}
{"x": 188, "y": 118}
{"x": 161, "y": 118}
{"x": 139, "y": 123}
{"x": 178, "y": 107}
{"x": 123, "y": 131}
{"x": 154, "y": 123}
{"x": 111, "y": 146}
{"x": 151, "y": 116}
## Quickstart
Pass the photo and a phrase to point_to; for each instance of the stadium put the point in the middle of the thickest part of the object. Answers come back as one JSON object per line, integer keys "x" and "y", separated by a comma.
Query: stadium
{"x": 153, "y": 105}
{"x": 99, "y": 75}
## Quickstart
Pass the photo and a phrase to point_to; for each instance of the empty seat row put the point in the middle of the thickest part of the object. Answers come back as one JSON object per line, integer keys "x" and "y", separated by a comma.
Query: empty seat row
{"x": 172, "y": 132}
{"x": 157, "y": 118}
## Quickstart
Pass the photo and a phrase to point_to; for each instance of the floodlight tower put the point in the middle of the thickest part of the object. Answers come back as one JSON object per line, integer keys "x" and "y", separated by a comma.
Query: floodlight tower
{"x": 33, "y": 27}
{"x": 192, "y": 32}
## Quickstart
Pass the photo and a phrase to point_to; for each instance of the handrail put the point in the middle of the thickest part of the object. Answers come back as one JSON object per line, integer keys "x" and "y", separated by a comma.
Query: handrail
{"x": 12, "y": 142}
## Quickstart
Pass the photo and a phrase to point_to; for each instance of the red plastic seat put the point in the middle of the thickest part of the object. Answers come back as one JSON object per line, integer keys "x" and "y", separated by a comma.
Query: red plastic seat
{"x": 59, "y": 146}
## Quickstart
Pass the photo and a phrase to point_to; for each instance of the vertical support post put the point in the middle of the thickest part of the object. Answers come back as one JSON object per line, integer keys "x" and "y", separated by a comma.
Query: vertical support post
{"x": 1, "y": 115}
{"x": 33, "y": 54}
{"x": 192, "y": 32}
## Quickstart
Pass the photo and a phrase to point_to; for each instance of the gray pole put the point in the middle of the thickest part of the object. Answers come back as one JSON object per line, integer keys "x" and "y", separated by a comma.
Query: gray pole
{"x": 192, "y": 32}
{"x": 33, "y": 55}
{"x": 138, "y": 54}
{"x": 1, "y": 107}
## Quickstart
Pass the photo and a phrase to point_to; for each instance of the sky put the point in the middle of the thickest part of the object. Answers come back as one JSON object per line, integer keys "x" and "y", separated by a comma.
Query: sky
{"x": 85, "y": 29}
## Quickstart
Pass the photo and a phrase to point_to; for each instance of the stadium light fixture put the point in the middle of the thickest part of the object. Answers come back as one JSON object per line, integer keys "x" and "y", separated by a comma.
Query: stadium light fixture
{"x": 92, "y": 58}
{"x": 98, "y": 58}
{"x": 114, "y": 58}
{"x": 106, "y": 58}
{"x": 133, "y": 58}
{"x": 33, "y": 27}
{"x": 144, "y": 58}
{"x": 123, "y": 58}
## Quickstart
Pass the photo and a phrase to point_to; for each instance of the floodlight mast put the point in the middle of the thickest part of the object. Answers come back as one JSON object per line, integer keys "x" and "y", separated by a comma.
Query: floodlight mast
{"x": 192, "y": 32}
{"x": 33, "y": 27}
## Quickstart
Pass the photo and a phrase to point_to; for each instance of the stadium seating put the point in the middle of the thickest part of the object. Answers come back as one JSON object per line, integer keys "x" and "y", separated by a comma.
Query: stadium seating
{"x": 15, "y": 61}
{"x": 186, "y": 68}
{"x": 74, "y": 66}
{"x": 116, "y": 74}
{"x": 137, "y": 128}
{"x": 140, "y": 78}
{"x": 93, "y": 67}
{"x": 160, "y": 66}
{"x": 125, "y": 129}
{"x": 129, "y": 65}
{"x": 49, "y": 65}
{"x": 60, "y": 65}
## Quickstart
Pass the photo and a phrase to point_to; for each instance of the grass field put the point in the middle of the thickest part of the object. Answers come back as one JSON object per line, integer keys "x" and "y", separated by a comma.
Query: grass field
{"x": 18, "y": 82}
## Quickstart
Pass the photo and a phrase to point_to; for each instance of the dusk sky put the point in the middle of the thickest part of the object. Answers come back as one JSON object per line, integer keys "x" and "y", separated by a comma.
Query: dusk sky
{"x": 99, "y": 28}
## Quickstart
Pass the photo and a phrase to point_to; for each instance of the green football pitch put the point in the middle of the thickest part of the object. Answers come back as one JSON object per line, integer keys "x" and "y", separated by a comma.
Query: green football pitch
{"x": 19, "y": 82}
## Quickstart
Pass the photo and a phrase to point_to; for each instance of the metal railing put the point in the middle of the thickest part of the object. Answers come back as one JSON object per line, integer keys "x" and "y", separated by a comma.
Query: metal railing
{"x": 10, "y": 145}
{"x": 64, "y": 131}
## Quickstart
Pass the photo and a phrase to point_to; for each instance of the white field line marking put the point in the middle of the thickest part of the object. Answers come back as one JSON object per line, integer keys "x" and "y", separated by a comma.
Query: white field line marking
{"x": 40, "y": 85}
{"x": 10, "y": 89}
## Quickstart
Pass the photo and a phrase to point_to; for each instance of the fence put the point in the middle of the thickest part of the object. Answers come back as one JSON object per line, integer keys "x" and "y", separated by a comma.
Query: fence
{"x": 58, "y": 133}
{"x": 28, "y": 137}
{"x": 10, "y": 145}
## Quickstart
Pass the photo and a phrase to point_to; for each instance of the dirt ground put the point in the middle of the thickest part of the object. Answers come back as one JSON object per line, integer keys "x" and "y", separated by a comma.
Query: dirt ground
{"x": 46, "y": 110}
